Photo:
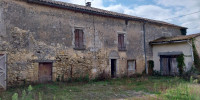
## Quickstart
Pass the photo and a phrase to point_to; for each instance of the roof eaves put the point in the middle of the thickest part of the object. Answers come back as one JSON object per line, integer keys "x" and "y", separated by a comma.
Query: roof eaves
{"x": 168, "y": 42}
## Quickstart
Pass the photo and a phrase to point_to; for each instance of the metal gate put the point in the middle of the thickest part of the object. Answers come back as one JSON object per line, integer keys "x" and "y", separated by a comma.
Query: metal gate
{"x": 3, "y": 72}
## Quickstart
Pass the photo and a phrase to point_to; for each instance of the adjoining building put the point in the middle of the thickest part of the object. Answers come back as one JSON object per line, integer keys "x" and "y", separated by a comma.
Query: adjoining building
{"x": 44, "y": 40}
{"x": 167, "y": 49}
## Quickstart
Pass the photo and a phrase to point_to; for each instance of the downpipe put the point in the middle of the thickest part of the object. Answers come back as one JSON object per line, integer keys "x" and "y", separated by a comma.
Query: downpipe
{"x": 144, "y": 36}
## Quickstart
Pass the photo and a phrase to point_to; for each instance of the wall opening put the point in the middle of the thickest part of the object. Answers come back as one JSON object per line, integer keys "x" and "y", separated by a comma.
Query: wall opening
{"x": 168, "y": 65}
{"x": 131, "y": 67}
{"x": 113, "y": 67}
{"x": 45, "y": 72}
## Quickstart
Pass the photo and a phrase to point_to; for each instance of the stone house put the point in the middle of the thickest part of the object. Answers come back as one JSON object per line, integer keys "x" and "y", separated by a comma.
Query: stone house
{"x": 167, "y": 49}
{"x": 44, "y": 40}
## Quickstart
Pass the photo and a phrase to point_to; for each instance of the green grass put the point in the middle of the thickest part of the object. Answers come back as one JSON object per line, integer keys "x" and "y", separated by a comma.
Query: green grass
{"x": 160, "y": 87}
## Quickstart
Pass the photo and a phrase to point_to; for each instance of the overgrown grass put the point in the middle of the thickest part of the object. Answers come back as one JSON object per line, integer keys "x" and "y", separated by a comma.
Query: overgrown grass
{"x": 169, "y": 88}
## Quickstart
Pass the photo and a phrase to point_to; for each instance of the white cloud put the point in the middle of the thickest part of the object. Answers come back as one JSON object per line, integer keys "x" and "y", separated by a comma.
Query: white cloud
{"x": 183, "y": 7}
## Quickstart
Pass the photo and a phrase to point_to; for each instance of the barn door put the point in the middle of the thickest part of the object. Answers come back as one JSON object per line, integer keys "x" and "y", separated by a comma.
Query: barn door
{"x": 3, "y": 72}
{"x": 174, "y": 68}
{"x": 165, "y": 66}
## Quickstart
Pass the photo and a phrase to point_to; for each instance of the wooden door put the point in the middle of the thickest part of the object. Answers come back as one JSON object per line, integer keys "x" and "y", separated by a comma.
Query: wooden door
{"x": 174, "y": 66}
{"x": 45, "y": 72}
{"x": 3, "y": 72}
{"x": 164, "y": 66}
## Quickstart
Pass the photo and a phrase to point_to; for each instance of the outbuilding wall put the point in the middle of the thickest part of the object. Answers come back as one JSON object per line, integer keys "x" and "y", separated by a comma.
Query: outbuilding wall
{"x": 184, "y": 47}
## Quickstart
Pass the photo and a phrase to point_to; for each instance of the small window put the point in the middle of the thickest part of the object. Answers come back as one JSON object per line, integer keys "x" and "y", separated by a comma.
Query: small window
{"x": 121, "y": 42}
{"x": 132, "y": 65}
{"x": 79, "y": 42}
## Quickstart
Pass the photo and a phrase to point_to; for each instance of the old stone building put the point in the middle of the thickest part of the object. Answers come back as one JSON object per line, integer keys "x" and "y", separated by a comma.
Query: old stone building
{"x": 43, "y": 40}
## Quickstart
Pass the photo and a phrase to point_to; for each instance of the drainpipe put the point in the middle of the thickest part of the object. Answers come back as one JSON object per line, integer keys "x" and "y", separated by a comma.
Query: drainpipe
{"x": 191, "y": 50}
{"x": 144, "y": 36}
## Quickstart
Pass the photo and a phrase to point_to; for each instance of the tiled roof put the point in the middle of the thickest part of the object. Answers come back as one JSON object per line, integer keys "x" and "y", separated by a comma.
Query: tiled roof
{"x": 96, "y": 11}
{"x": 174, "y": 39}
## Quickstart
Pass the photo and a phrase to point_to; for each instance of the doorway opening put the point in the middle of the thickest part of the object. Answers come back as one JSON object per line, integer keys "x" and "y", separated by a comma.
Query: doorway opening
{"x": 169, "y": 65}
{"x": 113, "y": 68}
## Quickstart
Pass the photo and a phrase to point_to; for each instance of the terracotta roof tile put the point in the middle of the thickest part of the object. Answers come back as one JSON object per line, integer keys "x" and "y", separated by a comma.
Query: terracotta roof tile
{"x": 97, "y": 11}
{"x": 174, "y": 39}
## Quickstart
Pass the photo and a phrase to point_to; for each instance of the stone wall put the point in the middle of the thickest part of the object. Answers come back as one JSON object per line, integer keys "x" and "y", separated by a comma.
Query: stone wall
{"x": 33, "y": 33}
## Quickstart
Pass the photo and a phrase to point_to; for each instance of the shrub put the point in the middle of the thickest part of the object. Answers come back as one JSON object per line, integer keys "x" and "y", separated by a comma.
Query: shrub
{"x": 103, "y": 76}
{"x": 156, "y": 73}
{"x": 30, "y": 88}
{"x": 58, "y": 78}
{"x": 81, "y": 79}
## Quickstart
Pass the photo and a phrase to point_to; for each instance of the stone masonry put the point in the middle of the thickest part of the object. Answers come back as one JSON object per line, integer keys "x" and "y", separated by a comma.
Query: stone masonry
{"x": 32, "y": 33}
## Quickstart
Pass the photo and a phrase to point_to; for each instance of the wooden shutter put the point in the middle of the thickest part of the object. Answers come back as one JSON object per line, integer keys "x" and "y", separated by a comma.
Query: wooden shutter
{"x": 121, "y": 44}
{"x": 81, "y": 38}
{"x": 76, "y": 38}
{"x": 119, "y": 41}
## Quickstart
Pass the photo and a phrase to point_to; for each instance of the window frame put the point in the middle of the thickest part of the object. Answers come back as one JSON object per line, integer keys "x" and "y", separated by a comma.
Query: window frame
{"x": 135, "y": 65}
{"x": 122, "y": 47}
{"x": 82, "y": 46}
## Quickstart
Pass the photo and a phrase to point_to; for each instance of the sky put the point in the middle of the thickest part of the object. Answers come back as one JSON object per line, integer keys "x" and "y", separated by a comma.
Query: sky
{"x": 164, "y": 10}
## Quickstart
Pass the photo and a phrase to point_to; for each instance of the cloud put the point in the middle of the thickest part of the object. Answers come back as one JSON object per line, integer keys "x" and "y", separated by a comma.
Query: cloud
{"x": 183, "y": 7}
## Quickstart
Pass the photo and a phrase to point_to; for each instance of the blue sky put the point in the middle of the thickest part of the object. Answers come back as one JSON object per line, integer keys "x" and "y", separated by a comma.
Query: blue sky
{"x": 154, "y": 9}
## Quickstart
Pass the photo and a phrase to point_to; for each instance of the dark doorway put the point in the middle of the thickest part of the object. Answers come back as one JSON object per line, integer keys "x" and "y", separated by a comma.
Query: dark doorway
{"x": 168, "y": 65}
{"x": 45, "y": 72}
{"x": 113, "y": 68}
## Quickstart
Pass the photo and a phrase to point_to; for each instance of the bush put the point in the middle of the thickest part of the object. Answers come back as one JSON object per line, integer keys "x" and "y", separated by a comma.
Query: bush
{"x": 103, "y": 76}
{"x": 156, "y": 73}
{"x": 82, "y": 79}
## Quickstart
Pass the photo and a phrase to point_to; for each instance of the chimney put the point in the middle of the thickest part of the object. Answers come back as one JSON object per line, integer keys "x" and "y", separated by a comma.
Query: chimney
{"x": 88, "y": 4}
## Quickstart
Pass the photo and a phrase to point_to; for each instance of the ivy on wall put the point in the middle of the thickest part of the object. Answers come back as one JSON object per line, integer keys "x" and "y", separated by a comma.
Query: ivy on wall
{"x": 181, "y": 63}
{"x": 196, "y": 56}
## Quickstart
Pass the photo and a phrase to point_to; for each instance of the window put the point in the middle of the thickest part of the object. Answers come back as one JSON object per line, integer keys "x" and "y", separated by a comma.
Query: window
{"x": 79, "y": 42}
{"x": 121, "y": 42}
{"x": 132, "y": 65}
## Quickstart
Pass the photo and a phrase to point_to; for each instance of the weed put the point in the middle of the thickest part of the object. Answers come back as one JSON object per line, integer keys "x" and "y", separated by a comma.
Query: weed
{"x": 15, "y": 96}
